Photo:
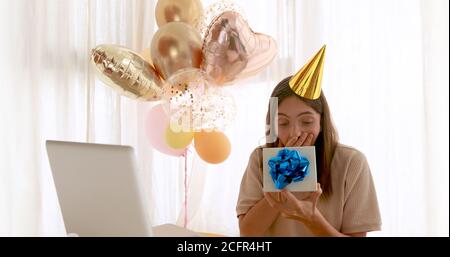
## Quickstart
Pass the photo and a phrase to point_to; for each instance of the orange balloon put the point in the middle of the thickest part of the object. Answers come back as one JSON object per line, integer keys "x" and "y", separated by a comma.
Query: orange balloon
{"x": 213, "y": 147}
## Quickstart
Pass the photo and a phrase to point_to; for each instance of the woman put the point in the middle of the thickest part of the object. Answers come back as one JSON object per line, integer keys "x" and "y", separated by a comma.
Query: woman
{"x": 348, "y": 205}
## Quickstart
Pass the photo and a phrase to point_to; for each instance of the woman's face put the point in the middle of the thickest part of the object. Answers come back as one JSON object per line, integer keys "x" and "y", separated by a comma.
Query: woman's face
{"x": 297, "y": 121}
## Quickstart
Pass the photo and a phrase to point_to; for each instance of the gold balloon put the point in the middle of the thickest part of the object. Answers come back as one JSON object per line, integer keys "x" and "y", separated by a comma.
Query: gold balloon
{"x": 213, "y": 147}
{"x": 176, "y": 46}
{"x": 127, "y": 72}
{"x": 231, "y": 50}
{"x": 188, "y": 11}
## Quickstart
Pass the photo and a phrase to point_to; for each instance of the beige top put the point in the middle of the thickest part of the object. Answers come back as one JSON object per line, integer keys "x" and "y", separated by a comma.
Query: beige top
{"x": 352, "y": 206}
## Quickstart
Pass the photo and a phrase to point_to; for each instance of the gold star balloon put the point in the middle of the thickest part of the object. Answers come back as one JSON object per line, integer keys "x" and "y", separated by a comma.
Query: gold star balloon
{"x": 126, "y": 72}
{"x": 307, "y": 82}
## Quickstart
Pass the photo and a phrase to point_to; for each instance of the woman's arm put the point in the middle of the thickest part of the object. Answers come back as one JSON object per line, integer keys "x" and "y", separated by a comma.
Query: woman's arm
{"x": 258, "y": 219}
{"x": 306, "y": 212}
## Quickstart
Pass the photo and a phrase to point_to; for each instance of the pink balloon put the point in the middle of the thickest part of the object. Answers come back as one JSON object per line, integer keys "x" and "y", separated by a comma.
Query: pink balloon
{"x": 156, "y": 124}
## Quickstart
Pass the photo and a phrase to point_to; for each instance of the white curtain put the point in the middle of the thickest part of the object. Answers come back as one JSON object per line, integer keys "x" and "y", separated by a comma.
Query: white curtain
{"x": 386, "y": 79}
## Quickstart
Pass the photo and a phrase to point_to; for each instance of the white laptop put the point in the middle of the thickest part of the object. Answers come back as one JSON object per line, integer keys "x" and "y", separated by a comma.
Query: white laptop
{"x": 100, "y": 191}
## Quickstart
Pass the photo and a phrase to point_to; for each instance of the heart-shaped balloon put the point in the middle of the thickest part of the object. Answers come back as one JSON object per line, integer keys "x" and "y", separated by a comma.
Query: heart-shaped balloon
{"x": 231, "y": 50}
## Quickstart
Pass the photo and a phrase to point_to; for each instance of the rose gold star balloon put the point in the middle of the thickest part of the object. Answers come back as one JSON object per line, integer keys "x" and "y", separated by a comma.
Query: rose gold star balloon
{"x": 126, "y": 72}
{"x": 231, "y": 50}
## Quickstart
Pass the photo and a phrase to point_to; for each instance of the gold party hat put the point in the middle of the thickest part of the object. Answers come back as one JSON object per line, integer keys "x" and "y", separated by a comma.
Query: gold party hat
{"x": 307, "y": 82}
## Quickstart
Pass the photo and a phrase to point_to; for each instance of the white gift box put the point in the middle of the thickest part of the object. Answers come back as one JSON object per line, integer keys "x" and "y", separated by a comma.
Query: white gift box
{"x": 308, "y": 184}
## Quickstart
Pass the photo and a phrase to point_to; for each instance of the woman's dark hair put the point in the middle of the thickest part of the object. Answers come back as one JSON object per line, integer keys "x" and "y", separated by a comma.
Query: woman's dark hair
{"x": 327, "y": 139}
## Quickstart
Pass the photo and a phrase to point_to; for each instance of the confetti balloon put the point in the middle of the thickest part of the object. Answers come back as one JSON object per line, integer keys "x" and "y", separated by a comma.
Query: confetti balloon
{"x": 195, "y": 103}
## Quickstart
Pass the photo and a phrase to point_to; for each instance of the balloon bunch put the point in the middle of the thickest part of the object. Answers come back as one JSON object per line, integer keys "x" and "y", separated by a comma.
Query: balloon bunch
{"x": 186, "y": 68}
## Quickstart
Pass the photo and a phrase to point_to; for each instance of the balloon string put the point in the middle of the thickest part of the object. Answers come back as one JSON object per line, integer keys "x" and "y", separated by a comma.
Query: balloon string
{"x": 185, "y": 189}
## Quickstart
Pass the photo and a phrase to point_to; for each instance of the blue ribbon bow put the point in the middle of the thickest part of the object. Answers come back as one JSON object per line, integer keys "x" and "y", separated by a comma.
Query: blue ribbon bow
{"x": 287, "y": 167}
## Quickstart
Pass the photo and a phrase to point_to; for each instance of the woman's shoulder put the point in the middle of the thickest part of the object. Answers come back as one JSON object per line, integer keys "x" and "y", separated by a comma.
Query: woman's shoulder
{"x": 348, "y": 153}
{"x": 350, "y": 159}
{"x": 255, "y": 161}
{"x": 257, "y": 152}
{"x": 349, "y": 164}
